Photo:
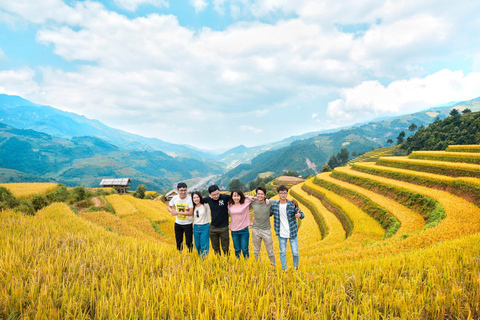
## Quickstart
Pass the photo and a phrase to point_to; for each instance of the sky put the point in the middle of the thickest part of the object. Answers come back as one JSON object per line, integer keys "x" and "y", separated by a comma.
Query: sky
{"x": 215, "y": 74}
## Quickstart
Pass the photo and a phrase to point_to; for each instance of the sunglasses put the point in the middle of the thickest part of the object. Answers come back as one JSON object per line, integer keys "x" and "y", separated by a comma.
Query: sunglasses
{"x": 197, "y": 213}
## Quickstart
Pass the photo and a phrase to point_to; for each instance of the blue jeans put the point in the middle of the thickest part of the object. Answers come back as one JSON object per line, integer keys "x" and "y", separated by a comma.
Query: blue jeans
{"x": 202, "y": 240}
{"x": 240, "y": 242}
{"x": 283, "y": 251}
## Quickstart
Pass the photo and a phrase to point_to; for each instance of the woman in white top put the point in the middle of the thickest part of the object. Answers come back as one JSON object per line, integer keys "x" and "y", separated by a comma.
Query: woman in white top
{"x": 201, "y": 223}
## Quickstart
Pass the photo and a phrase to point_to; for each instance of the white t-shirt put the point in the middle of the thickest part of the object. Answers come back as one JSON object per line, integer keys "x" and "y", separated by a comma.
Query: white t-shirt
{"x": 182, "y": 205}
{"x": 202, "y": 214}
{"x": 284, "y": 226}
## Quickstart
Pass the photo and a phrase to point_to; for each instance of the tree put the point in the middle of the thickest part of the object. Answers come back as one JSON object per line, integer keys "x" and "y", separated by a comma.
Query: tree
{"x": 236, "y": 184}
{"x": 466, "y": 110}
{"x": 140, "y": 192}
{"x": 39, "y": 202}
{"x": 333, "y": 162}
{"x": 79, "y": 193}
{"x": 271, "y": 194}
{"x": 400, "y": 137}
{"x": 454, "y": 112}
{"x": 343, "y": 156}
{"x": 291, "y": 173}
{"x": 326, "y": 168}
{"x": 412, "y": 127}
{"x": 354, "y": 153}
{"x": 390, "y": 141}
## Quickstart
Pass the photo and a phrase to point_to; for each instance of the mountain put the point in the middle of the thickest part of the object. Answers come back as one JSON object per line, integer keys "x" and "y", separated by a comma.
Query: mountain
{"x": 23, "y": 114}
{"x": 27, "y": 155}
{"x": 308, "y": 156}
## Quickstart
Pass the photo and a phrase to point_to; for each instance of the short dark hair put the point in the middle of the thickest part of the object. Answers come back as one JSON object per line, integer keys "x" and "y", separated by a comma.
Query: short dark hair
{"x": 261, "y": 188}
{"x": 199, "y": 195}
{"x": 240, "y": 193}
{"x": 213, "y": 188}
{"x": 282, "y": 188}
{"x": 181, "y": 185}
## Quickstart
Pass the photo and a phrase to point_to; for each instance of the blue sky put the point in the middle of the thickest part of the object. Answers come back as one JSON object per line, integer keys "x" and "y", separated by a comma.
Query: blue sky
{"x": 219, "y": 73}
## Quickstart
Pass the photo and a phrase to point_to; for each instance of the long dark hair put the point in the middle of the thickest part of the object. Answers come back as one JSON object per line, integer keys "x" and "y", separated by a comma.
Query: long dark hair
{"x": 240, "y": 193}
{"x": 200, "y": 196}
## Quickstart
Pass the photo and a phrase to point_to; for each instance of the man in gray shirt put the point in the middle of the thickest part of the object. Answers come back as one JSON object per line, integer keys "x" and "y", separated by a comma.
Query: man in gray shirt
{"x": 261, "y": 225}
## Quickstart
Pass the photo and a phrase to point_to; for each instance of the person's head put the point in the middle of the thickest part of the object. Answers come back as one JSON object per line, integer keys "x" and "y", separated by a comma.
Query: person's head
{"x": 197, "y": 198}
{"x": 214, "y": 192}
{"x": 261, "y": 193}
{"x": 182, "y": 190}
{"x": 236, "y": 196}
{"x": 282, "y": 192}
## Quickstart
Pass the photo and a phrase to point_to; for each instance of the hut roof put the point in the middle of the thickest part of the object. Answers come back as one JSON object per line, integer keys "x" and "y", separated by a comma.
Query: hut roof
{"x": 115, "y": 182}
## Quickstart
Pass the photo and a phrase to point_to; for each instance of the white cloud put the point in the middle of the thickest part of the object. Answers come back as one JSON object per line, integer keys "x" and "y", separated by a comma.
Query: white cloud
{"x": 40, "y": 11}
{"x": 133, "y": 4}
{"x": 250, "y": 128}
{"x": 199, "y": 5}
{"x": 18, "y": 82}
{"x": 371, "y": 98}
{"x": 295, "y": 63}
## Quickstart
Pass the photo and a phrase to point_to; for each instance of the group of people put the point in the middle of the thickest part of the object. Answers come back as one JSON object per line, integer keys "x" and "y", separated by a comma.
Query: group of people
{"x": 207, "y": 220}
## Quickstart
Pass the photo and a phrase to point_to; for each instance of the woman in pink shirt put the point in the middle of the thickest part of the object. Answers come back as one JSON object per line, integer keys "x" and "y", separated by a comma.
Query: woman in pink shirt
{"x": 238, "y": 207}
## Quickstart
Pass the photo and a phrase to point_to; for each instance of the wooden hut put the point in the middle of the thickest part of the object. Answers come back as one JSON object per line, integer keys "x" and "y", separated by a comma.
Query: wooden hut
{"x": 119, "y": 184}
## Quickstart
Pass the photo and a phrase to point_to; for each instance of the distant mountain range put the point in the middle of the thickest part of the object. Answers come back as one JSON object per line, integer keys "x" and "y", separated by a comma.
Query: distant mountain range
{"x": 28, "y": 155}
{"x": 308, "y": 155}
{"x": 23, "y": 114}
{"x": 44, "y": 143}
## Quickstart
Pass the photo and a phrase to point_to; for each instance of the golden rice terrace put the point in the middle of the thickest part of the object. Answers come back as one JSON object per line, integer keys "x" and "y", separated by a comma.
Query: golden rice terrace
{"x": 398, "y": 238}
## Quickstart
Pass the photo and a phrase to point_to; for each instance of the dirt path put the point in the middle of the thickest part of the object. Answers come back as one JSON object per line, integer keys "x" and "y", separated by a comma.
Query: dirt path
{"x": 96, "y": 202}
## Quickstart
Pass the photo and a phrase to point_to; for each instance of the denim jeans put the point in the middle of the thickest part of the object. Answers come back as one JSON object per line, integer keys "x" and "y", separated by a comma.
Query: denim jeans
{"x": 283, "y": 251}
{"x": 240, "y": 242}
{"x": 201, "y": 237}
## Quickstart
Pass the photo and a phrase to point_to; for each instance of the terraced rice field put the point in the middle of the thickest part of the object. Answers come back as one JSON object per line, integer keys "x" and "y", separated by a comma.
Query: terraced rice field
{"x": 27, "y": 190}
{"x": 398, "y": 238}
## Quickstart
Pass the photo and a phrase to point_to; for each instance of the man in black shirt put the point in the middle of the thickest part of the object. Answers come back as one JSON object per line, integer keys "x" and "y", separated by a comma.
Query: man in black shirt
{"x": 219, "y": 227}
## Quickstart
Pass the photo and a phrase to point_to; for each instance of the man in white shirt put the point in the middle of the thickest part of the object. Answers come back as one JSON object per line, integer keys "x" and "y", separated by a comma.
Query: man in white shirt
{"x": 181, "y": 207}
{"x": 285, "y": 216}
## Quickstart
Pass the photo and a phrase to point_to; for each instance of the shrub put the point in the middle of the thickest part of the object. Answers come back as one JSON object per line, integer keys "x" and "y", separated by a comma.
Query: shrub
{"x": 7, "y": 199}
{"x": 39, "y": 202}
{"x": 79, "y": 193}
{"x": 140, "y": 192}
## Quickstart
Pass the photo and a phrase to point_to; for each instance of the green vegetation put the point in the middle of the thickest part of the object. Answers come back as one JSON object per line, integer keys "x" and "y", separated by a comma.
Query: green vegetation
{"x": 140, "y": 192}
{"x": 455, "y": 129}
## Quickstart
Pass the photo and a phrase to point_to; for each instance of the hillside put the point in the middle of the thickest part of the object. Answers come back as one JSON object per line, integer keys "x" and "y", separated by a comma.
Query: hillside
{"x": 392, "y": 239}
{"x": 456, "y": 129}
{"x": 86, "y": 160}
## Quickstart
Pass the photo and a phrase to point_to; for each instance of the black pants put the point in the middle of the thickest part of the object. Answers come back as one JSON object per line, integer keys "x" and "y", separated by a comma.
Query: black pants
{"x": 180, "y": 229}
{"x": 219, "y": 236}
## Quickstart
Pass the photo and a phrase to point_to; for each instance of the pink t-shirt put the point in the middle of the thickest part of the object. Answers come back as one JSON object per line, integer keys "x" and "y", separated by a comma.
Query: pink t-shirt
{"x": 239, "y": 214}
